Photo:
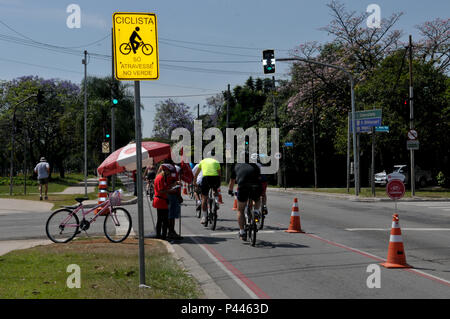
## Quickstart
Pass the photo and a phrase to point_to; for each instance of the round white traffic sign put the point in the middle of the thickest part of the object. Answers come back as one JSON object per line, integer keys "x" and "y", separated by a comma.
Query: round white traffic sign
{"x": 412, "y": 135}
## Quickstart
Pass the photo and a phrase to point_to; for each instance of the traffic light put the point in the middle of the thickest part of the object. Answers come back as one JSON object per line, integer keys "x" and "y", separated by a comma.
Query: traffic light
{"x": 107, "y": 135}
{"x": 115, "y": 93}
{"x": 269, "y": 61}
{"x": 40, "y": 96}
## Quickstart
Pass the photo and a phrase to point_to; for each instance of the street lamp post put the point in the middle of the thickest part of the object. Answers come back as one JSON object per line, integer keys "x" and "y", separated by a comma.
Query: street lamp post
{"x": 349, "y": 74}
{"x": 11, "y": 168}
{"x": 84, "y": 61}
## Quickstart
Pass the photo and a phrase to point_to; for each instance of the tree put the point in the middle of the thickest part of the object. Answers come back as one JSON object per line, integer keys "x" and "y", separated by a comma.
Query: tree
{"x": 434, "y": 46}
{"x": 38, "y": 126}
{"x": 171, "y": 115}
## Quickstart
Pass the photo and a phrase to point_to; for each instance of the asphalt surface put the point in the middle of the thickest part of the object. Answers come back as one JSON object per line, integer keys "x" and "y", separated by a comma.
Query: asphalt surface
{"x": 330, "y": 260}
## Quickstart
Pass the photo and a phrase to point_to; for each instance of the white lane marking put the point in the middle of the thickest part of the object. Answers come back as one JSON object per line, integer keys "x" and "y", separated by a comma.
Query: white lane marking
{"x": 222, "y": 266}
{"x": 235, "y": 233}
{"x": 385, "y": 229}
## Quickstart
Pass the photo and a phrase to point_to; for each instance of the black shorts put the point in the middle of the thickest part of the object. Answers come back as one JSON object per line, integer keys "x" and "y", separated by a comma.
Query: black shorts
{"x": 209, "y": 182}
{"x": 43, "y": 181}
{"x": 252, "y": 191}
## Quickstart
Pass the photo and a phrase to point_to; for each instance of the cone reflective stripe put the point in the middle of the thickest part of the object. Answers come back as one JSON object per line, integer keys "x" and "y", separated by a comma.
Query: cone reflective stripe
{"x": 235, "y": 205}
{"x": 295, "y": 226}
{"x": 102, "y": 194}
{"x": 396, "y": 254}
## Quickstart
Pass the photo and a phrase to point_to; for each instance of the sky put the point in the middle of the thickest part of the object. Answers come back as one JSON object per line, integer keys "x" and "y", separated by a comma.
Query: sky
{"x": 204, "y": 45}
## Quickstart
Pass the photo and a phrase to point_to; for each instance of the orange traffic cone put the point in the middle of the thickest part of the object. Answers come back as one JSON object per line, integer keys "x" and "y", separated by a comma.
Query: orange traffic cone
{"x": 235, "y": 205}
{"x": 184, "y": 189}
{"x": 396, "y": 254}
{"x": 295, "y": 226}
{"x": 102, "y": 195}
{"x": 220, "y": 196}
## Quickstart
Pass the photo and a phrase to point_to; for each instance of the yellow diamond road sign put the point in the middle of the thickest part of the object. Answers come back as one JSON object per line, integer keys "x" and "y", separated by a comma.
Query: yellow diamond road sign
{"x": 135, "y": 46}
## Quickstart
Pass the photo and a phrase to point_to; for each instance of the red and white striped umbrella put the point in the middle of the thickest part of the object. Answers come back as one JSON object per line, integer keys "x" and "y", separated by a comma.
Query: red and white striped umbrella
{"x": 124, "y": 159}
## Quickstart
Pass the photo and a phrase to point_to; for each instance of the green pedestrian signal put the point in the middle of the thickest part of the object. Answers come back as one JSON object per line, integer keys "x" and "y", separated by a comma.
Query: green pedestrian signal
{"x": 108, "y": 135}
{"x": 115, "y": 101}
{"x": 269, "y": 61}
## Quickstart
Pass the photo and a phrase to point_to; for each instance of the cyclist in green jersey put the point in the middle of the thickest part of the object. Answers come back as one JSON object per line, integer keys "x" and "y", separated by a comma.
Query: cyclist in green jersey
{"x": 210, "y": 169}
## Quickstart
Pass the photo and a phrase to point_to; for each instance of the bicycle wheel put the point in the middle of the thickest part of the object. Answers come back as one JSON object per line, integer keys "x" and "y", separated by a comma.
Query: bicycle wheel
{"x": 147, "y": 49}
{"x": 248, "y": 226}
{"x": 253, "y": 233}
{"x": 208, "y": 210}
{"x": 152, "y": 192}
{"x": 117, "y": 225}
{"x": 62, "y": 226}
{"x": 213, "y": 216}
{"x": 125, "y": 48}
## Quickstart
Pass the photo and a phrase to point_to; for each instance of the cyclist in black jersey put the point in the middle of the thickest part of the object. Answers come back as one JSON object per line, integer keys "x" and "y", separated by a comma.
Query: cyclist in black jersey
{"x": 248, "y": 177}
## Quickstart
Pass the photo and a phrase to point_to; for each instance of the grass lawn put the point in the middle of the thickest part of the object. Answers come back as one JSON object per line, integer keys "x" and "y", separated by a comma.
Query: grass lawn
{"x": 55, "y": 185}
{"x": 107, "y": 270}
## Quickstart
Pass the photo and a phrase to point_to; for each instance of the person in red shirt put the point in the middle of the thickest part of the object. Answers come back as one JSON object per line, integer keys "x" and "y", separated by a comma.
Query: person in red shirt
{"x": 161, "y": 203}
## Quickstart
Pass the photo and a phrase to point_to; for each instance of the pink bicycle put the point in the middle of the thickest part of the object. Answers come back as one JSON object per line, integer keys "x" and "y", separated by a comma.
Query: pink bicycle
{"x": 63, "y": 224}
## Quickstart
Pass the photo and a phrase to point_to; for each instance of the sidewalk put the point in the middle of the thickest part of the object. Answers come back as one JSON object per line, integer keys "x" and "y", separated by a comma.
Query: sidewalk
{"x": 9, "y": 245}
{"x": 355, "y": 198}
{"x": 23, "y": 205}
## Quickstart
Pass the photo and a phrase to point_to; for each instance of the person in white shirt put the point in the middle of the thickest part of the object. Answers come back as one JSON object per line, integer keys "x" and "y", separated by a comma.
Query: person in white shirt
{"x": 43, "y": 171}
{"x": 199, "y": 184}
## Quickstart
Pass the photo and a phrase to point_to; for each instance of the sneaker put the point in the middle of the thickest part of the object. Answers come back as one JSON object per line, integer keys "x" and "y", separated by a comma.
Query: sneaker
{"x": 243, "y": 236}
{"x": 40, "y": 197}
{"x": 174, "y": 236}
{"x": 203, "y": 220}
{"x": 46, "y": 198}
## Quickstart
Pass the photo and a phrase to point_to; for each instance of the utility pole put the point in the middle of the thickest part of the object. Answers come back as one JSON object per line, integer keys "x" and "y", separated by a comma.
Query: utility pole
{"x": 314, "y": 133}
{"x": 411, "y": 117}
{"x": 12, "y": 154}
{"x": 84, "y": 61}
{"x": 25, "y": 163}
{"x": 372, "y": 168}
{"x": 228, "y": 124}
{"x": 275, "y": 113}
{"x": 348, "y": 154}
{"x": 113, "y": 129}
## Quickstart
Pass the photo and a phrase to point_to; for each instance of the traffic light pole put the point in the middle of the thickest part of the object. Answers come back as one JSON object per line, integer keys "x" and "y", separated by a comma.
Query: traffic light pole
{"x": 411, "y": 118}
{"x": 353, "y": 110}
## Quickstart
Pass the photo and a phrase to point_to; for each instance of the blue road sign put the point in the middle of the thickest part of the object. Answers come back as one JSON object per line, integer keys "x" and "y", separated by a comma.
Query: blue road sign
{"x": 382, "y": 129}
{"x": 289, "y": 144}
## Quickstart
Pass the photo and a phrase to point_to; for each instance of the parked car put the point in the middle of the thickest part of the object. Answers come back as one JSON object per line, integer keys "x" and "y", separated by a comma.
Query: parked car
{"x": 423, "y": 177}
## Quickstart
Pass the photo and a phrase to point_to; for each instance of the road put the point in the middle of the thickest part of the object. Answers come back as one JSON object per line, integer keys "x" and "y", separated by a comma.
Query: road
{"x": 330, "y": 260}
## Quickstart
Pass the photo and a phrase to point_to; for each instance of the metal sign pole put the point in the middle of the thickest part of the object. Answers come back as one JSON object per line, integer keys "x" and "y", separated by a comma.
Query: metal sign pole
{"x": 137, "y": 120}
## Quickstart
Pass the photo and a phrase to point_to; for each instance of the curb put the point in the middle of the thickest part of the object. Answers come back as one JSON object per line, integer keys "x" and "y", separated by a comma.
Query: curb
{"x": 210, "y": 289}
{"x": 354, "y": 198}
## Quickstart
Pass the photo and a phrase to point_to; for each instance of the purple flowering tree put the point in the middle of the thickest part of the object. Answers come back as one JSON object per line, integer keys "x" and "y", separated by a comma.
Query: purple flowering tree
{"x": 171, "y": 115}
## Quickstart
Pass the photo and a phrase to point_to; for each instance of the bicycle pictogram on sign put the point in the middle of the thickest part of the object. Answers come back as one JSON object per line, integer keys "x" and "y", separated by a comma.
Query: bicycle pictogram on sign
{"x": 133, "y": 45}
